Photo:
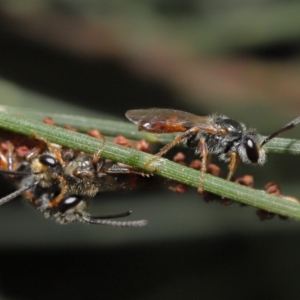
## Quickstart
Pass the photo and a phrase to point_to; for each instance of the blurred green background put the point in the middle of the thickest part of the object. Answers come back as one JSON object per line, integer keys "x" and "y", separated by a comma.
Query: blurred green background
{"x": 101, "y": 58}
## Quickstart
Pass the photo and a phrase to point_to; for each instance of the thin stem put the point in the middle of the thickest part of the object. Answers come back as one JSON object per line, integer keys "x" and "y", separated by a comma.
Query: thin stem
{"x": 164, "y": 168}
{"x": 114, "y": 128}
{"x": 83, "y": 124}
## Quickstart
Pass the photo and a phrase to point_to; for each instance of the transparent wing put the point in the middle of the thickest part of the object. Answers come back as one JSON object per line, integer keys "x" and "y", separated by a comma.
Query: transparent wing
{"x": 159, "y": 120}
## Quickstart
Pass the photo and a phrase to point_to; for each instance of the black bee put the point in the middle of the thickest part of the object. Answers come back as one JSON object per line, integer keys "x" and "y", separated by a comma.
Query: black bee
{"x": 215, "y": 134}
{"x": 58, "y": 182}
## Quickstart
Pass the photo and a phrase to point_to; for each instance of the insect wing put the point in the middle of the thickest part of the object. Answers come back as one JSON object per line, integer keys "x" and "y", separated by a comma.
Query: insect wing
{"x": 159, "y": 120}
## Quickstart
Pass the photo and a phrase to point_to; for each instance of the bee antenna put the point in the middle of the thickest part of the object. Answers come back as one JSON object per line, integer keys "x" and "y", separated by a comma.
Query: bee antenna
{"x": 287, "y": 127}
{"x": 114, "y": 216}
{"x": 16, "y": 193}
{"x": 95, "y": 220}
{"x": 16, "y": 173}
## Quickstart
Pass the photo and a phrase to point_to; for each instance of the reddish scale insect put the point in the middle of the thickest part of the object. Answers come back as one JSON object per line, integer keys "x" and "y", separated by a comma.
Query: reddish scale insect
{"x": 248, "y": 180}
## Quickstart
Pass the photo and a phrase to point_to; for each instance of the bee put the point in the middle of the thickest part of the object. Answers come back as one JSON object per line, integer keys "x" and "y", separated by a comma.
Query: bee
{"x": 216, "y": 134}
{"x": 78, "y": 172}
{"x": 70, "y": 209}
{"x": 59, "y": 182}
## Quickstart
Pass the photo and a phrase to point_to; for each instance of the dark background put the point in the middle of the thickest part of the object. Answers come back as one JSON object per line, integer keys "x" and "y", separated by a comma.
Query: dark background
{"x": 101, "y": 58}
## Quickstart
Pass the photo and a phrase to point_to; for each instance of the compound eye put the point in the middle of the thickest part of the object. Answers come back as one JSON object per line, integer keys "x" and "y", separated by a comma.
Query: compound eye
{"x": 48, "y": 160}
{"x": 68, "y": 203}
{"x": 232, "y": 127}
{"x": 251, "y": 150}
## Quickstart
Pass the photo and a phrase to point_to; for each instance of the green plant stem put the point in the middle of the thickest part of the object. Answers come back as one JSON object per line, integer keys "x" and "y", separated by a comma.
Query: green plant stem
{"x": 84, "y": 124}
{"x": 129, "y": 130}
{"x": 165, "y": 167}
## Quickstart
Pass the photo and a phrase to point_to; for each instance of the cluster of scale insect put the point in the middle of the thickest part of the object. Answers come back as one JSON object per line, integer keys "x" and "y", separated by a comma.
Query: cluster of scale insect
{"x": 271, "y": 188}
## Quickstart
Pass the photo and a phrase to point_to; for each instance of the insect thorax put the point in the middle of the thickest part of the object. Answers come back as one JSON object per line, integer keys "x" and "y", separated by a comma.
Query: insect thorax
{"x": 219, "y": 144}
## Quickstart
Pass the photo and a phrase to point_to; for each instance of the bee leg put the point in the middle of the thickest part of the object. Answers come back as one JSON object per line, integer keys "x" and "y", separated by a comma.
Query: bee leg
{"x": 177, "y": 140}
{"x": 204, "y": 153}
{"x": 97, "y": 155}
{"x": 98, "y": 162}
{"x": 63, "y": 191}
{"x": 234, "y": 161}
{"x": 124, "y": 169}
{"x": 51, "y": 148}
{"x": 33, "y": 154}
{"x": 10, "y": 156}
{"x": 3, "y": 162}
{"x": 6, "y": 161}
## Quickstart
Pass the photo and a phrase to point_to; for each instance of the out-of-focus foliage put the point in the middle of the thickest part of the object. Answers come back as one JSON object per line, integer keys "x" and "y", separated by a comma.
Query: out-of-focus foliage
{"x": 210, "y": 53}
